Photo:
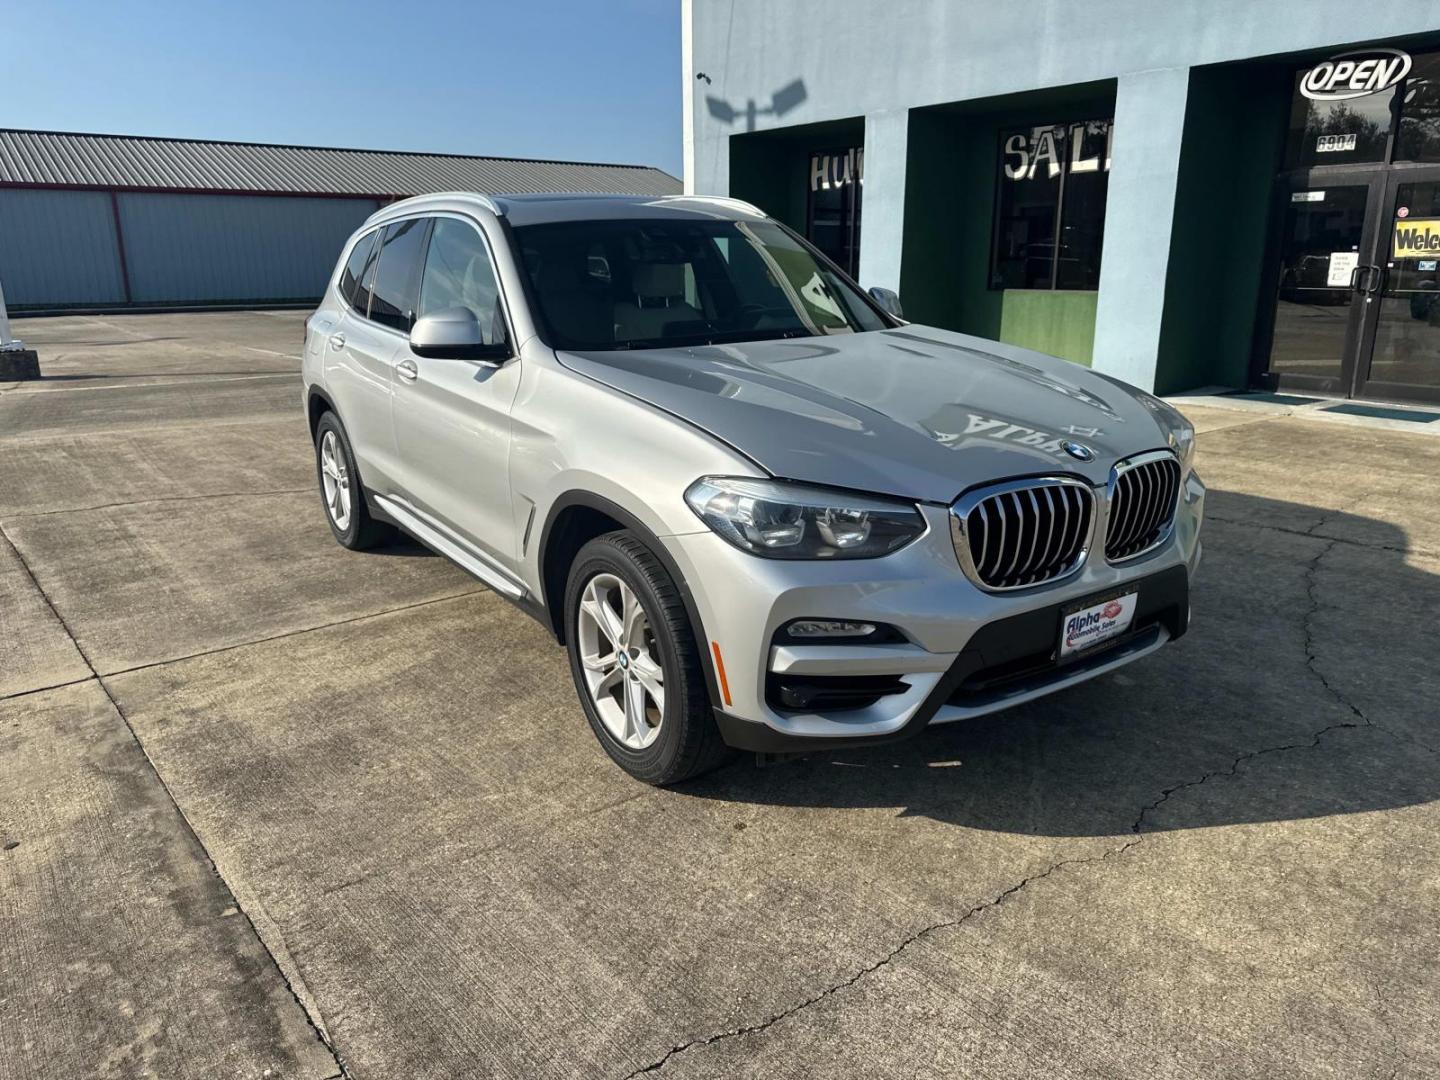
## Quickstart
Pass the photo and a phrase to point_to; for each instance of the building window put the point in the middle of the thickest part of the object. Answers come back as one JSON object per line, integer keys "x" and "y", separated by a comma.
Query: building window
{"x": 1050, "y": 214}
{"x": 1338, "y": 132}
{"x": 833, "y": 219}
{"x": 1367, "y": 107}
{"x": 1419, "y": 136}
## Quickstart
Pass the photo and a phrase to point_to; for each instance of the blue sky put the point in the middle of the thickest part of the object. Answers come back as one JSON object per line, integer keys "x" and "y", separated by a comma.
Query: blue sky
{"x": 585, "y": 79}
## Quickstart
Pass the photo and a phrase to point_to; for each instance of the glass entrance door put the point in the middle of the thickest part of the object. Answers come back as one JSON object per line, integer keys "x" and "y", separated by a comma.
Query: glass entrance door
{"x": 1357, "y": 301}
{"x": 1325, "y": 237}
{"x": 1400, "y": 345}
{"x": 1357, "y": 307}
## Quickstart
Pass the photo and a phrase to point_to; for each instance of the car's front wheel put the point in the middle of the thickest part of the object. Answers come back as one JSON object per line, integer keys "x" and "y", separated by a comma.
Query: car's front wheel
{"x": 636, "y": 664}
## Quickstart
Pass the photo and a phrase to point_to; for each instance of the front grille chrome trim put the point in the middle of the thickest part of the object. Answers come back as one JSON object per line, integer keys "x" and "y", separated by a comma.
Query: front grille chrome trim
{"x": 1141, "y": 498}
{"x": 1021, "y": 511}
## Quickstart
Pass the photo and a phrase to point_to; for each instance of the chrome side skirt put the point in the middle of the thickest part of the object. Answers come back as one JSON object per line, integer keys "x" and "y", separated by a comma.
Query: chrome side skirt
{"x": 443, "y": 542}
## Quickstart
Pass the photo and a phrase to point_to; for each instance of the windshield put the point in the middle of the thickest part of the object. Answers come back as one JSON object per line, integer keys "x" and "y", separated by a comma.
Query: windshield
{"x": 649, "y": 283}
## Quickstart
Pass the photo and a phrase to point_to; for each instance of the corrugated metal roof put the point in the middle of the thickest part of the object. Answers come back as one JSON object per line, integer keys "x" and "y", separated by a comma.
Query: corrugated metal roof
{"x": 135, "y": 162}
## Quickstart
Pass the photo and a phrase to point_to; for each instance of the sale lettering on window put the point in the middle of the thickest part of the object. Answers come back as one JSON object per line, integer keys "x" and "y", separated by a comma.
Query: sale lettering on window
{"x": 1050, "y": 216}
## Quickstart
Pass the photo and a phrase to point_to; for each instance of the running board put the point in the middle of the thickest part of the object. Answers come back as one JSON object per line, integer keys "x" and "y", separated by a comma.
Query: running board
{"x": 470, "y": 561}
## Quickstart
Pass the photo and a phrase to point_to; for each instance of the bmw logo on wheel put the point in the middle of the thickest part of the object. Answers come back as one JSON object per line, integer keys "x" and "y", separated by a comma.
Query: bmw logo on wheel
{"x": 1079, "y": 451}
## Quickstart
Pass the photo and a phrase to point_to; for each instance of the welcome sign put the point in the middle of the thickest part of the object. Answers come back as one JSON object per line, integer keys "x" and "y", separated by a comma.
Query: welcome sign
{"x": 1416, "y": 238}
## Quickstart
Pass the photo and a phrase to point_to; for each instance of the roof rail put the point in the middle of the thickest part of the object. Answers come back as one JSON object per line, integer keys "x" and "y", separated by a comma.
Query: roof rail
{"x": 485, "y": 200}
{"x": 723, "y": 200}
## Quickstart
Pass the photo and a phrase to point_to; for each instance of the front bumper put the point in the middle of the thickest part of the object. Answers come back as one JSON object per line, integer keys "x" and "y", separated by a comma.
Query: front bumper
{"x": 966, "y": 652}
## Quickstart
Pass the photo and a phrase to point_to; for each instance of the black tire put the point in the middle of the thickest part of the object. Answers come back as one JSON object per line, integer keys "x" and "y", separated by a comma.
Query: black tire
{"x": 361, "y": 531}
{"x": 688, "y": 742}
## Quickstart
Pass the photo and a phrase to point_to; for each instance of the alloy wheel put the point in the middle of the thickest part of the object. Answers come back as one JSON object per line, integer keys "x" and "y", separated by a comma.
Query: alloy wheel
{"x": 335, "y": 478}
{"x": 621, "y": 661}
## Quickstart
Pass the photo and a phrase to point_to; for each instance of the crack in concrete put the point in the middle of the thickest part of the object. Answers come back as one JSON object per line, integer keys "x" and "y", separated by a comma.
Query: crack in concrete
{"x": 869, "y": 969}
{"x": 1308, "y": 643}
{"x": 1311, "y": 533}
{"x": 1397, "y": 1053}
{"x": 162, "y": 499}
{"x": 1361, "y": 720}
{"x": 316, "y": 1023}
{"x": 42, "y": 386}
{"x": 1233, "y": 768}
{"x": 42, "y": 689}
{"x": 219, "y": 649}
{"x": 294, "y": 633}
{"x": 1312, "y": 662}
{"x": 1136, "y": 828}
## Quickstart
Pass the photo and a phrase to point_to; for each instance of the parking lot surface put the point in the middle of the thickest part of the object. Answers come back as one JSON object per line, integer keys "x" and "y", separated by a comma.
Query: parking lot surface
{"x": 269, "y": 808}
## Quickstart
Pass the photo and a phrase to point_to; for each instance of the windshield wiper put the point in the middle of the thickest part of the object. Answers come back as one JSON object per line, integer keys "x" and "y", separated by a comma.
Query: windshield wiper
{"x": 719, "y": 338}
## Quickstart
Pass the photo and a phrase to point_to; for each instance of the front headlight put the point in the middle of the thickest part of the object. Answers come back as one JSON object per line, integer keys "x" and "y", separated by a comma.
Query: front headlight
{"x": 1182, "y": 441}
{"x": 779, "y": 520}
{"x": 1179, "y": 431}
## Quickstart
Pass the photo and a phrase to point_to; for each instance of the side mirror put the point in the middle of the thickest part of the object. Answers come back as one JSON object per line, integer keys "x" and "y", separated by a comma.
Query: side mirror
{"x": 889, "y": 301}
{"x": 454, "y": 334}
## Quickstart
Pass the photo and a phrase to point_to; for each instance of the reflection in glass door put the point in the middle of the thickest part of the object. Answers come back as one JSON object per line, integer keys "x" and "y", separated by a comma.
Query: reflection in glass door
{"x": 833, "y": 216}
{"x": 1402, "y": 340}
{"x": 1320, "y": 258}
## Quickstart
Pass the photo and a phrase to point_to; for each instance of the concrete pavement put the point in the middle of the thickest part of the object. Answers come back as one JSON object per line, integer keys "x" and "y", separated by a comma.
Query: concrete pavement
{"x": 409, "y": 858}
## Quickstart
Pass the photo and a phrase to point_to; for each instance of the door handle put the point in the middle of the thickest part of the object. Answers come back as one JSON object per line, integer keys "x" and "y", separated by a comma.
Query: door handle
{"x": 1366, "y": 280}
{"x": 407, "y": 370}
{"x": 337, "y": 341}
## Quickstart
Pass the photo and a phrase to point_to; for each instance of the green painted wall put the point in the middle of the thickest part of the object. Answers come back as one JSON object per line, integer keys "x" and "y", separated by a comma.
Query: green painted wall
{"x": 949, "y": 191}
{"x": 1217, "y": 281}
{"x": 1061, "y": 323}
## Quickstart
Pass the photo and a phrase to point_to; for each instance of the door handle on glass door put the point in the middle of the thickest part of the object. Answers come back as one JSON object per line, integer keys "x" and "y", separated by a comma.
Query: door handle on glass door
{"x": 407, "y": 370}
{"x": 337, "y": 341}
{"x": 1370, "y": 276}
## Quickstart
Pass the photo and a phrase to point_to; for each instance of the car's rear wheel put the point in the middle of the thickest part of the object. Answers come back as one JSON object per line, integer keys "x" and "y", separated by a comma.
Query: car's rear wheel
{"x": 636, "y": 664}
{"x": 341, "y": 491}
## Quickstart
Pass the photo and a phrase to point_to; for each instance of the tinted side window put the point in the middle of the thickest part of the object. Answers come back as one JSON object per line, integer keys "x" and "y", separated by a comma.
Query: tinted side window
{"x": 354, "y": 272}
{"x": 458, "y": 273}
{"x": 393, "y": 300}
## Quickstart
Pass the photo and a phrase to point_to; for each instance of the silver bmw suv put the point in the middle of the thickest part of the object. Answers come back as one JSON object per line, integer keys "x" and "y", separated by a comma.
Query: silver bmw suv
{"x": 759, "y": 509}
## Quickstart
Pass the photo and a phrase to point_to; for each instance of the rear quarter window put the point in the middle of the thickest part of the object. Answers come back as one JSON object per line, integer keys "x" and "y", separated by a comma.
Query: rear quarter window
{"x": 354, "y": 281}
{"x": 397, "y": 280}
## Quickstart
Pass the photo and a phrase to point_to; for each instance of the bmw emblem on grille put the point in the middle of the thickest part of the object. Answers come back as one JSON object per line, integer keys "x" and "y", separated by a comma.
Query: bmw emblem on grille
{"x": 1079, "y": 451}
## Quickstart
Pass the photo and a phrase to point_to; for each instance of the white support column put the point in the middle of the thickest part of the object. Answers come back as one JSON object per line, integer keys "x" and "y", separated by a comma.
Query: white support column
{"x": 687, "y": 94}
{"x": 882, "y": 211}
{"x": 1139, "y": 213}
{"x": 4, "y": 321}
{"x": 16, "y": 361}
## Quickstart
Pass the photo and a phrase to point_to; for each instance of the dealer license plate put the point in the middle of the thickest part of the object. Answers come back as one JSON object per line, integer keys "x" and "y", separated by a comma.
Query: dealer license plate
{"x": 1085, "y": 627}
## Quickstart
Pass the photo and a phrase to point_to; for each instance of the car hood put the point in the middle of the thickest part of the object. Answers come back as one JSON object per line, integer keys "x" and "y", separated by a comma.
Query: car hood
{"x": 913, "y": 411}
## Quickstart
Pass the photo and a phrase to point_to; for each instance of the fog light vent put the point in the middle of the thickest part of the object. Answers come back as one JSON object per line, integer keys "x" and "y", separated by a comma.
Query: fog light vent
{"x": 830, "y": 693}
{"x": 808, "y": 629}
